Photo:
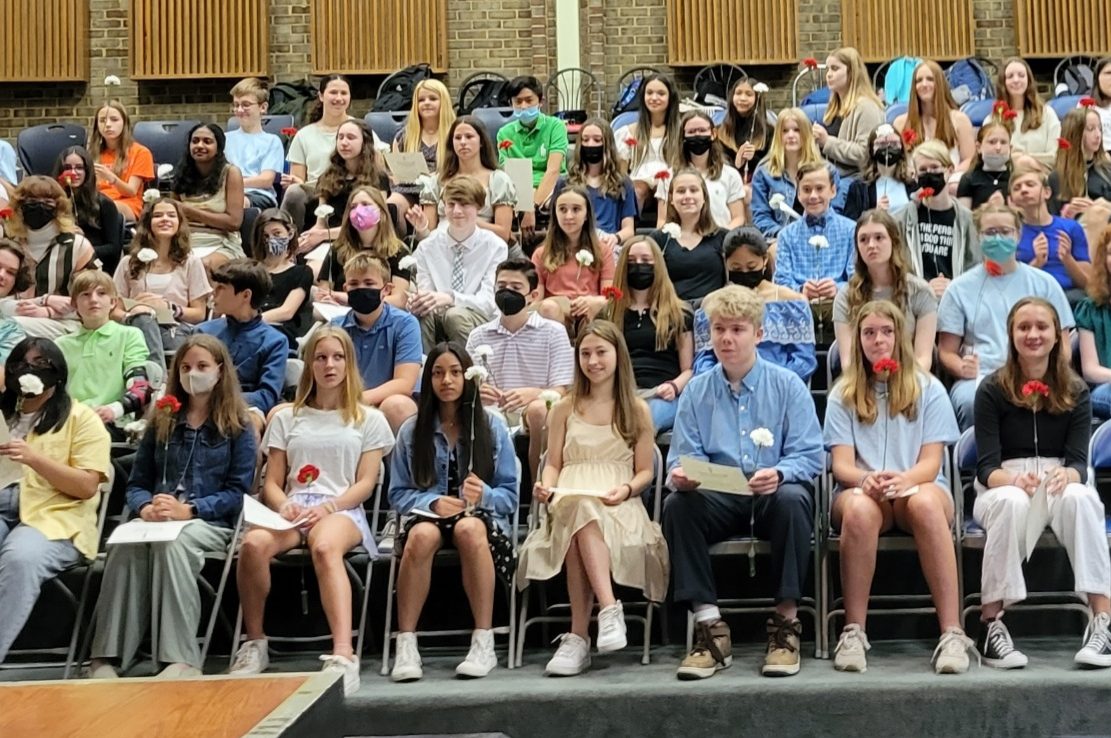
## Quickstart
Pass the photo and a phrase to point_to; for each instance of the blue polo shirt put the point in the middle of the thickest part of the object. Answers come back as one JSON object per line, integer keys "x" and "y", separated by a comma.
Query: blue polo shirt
{"x": 393, "y": 339}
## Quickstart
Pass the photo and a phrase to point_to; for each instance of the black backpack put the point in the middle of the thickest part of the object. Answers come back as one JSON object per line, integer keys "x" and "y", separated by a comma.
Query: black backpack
{"x": 484, "y": 93}
{"x": 292, "y": 98}
{"x": 627, "y": 97}
{"x": 396, "y": 92}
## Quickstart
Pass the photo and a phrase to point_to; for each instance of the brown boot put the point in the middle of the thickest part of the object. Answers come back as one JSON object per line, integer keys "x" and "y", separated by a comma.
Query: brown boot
{"x": 782, "y": 657}
{"x": 712, "y": 651}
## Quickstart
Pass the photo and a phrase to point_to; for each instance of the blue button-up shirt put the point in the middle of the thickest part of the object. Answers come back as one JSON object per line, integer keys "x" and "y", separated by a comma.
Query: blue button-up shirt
{"x": 713, "y": 423}
{"x": 798, "y": 260}
{"x": 393, "y": 339}
{"x": 259, "y": 351}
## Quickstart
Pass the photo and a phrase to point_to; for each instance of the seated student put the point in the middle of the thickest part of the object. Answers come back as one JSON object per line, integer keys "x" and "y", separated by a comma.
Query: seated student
{"x": 1082, "y": 172}
{"x": 123, "y": 165}
{"x": 535, "y": 136}
{"x": 426, "y": 131}
{"x": 1093, "y": 319}
{"x": 933, "y": 114}
{"x": 161, "y": 274}
{"x": 1033, "y": 422}
{"x": 690, "y": 239}
{"x": 747, "y": 392}
{"x": 989, "y": 174}
{"x": 1050, "y": 243}
{"x": 366, "y": 229}
{"x": 455, "y": 269}
{"x": 14, "y": 278}
{"x": 882, "y": 273}
{"x": 470, "y": 153}
{"x": 107, "y": 360}
{"x": 454, "y": 461}
{"x": 528, "y": 354}
{"x": 48, "y": 518}
{"x": 175, "y": 478}
{"x": 647, "y": 148}
{"x": 788, "y": 327}
{"x": 601, "y": 439}
{"x": 8, "y": 173}
{"x": 573, "y": 266}
{"x": 355, "y": 164}
{"x": 211, "y": 194}
{"x": 386, "y": 339}
{"x": 96, "y": 215}
{"x": 887, "y": 430}
{"x": 972, "y": 337}
{"x": 1036, "y": 126}
{"x": 702, "y": 152}
{"x": 853, "y": 112}
{"x": 259, "y": 350}
{"x": 324, "y": 455}
{"x": 885, "y": 181}
{"x": 288, "y": 306}
{"x": 656, "y": 325}
{"x": 260, "y": 156}
{"x": 42, "y": 223}
{"x": 744, "y": 133}
{"x": 938, "y": 230}
{"x": 815, "y": 254}
{"x": 594, "y": 166}
{"x": 1101, "y": 94}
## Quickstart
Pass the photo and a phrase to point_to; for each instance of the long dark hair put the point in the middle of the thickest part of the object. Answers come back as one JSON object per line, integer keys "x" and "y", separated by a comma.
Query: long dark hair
{"x": 317, "y": 111}
{"x": 487, "y": 155}
{"x": 672, "y": 141}
{"x": 85, "y": 201}
{"x": 368, "y": 172}
{"x": 190, "y": 181}
{"x": 56, "y": 410}
{"x": 479, "y": 457}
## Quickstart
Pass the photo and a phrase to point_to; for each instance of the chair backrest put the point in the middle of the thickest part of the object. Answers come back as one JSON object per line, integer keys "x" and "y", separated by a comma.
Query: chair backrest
{"x": 713, "y": 83}
{"x": 1062, "y": 105}
{"x": 628, "y": 87}
{"x": 894, "y": 111}
{"x": 493, "y": 119}
{"x": 165, "y": 139}
{"x": 815, "y": 111}
{"x": 482, "y": 90}
{"x": 396, "y": 91}
{"x": 270, "y": 123}
{"x": 38, "y": 146}
{"x": 1074, "y": 75}
{"x": 971, "y": 78}
{"x": 572, "y": 94}
{"x": 386, "y": 124}
{"x": 812, "y": 80}
{"x": 978, "y": 111}
{"x": 627, "y": 118}
{"x": 1099, "y": 449}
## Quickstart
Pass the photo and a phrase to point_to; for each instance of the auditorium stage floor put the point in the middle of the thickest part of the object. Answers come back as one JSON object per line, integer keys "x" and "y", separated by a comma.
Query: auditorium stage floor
{"x": 898, "y": 696}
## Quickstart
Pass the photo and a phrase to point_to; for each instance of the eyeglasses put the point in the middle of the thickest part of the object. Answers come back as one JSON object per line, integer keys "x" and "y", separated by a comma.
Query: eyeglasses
{"x": 243, "y": 106}
{"x": 998, "y": 232}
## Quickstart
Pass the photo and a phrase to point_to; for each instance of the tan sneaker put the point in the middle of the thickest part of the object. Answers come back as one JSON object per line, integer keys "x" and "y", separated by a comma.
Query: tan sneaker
{"x": 712, "y": 651}
{"x": 782, "y": 658}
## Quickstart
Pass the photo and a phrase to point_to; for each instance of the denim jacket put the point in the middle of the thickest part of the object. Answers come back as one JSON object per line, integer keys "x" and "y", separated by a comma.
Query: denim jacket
{"x": 499, "y": 497}
{"x": 219, "y": 471}
{"x": 764, "y": 185}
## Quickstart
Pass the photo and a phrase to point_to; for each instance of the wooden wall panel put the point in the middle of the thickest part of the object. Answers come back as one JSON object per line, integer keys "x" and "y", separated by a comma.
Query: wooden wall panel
{"x": 1057, "y": 28}
{"x": 173, "y": 39}
{"x": 883, "y": 30}
{"x": 44, "y": 40}
{"x": 361, "y": 37}
{"x": 703, "y": 32}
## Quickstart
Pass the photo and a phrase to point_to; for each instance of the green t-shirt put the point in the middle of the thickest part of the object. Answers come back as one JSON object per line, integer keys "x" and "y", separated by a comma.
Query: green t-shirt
{"x": 547, "y": 136}
{"x": 98, "y": 360}
{"x": 1097, "y": 319}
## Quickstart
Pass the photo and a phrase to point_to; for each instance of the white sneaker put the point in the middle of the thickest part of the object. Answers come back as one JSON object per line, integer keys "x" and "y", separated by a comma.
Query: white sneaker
{"x": 850, "y": 652}
{"x": 611, "y": 628}
{"x": 481, "y": 659}
{"x": 179, "y": 671}
{"x": 348, "y": 667}
{"x": 253, "y": 657}
{"x": 1096, "y": 652}
{"x": 406, "y": 663}
{"x": 99, "y": 669}
{"x": 997, "y": 648}
{"x": 571, "y": 658}
{"x": 951, "y": 654}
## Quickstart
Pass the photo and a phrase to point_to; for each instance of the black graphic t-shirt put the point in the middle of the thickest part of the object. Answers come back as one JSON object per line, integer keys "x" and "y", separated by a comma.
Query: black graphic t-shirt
{"x": 935, "y": 234}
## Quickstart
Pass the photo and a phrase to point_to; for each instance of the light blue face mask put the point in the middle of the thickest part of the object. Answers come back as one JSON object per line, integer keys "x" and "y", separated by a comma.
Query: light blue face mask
{"x": 527, "y": 116}
{"x": 998, "y": 248}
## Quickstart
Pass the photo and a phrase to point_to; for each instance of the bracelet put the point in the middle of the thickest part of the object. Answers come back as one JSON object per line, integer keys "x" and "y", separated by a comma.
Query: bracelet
{"x": 673, "y": 386}
{"x": 626, "y": 484}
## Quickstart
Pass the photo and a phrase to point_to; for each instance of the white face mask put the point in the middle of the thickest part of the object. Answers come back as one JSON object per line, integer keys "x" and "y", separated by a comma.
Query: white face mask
{"x": 198, "y": 382}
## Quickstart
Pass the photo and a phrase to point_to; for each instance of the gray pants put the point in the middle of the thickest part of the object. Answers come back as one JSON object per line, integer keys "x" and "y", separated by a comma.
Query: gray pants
{"x": 27, "y": 559}
{"x": 296, "y": 201}
{"x": 453, "y": 324}
{"x": 155, "y": 583}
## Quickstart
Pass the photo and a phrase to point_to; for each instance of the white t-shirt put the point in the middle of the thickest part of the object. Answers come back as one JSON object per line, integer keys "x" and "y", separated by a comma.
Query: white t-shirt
{"x": 724, "y": 191}
{"x": 313, "y": 147}
{"x": 320, "y": 438}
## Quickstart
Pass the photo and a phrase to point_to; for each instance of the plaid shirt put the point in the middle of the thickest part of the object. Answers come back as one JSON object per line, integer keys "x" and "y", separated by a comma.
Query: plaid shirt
{"x": 797, "y": 260}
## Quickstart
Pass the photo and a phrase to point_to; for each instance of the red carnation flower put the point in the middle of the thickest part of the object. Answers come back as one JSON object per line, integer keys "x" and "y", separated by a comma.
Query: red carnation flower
{"x": 910, "y": 136}
{"x": 993, "y": 269}
{"x": 1010, "y": 114}
{"x": 663, "y": 174}
{"x": 886, "y": 366}
{"x": 631, "y": 142}
{"x": 290, "y": 131}
{"x": 1000, "y": 107}
{"x": 1063, "y": 143}
{"x": 308, "y": 474}
{"x": 926, "y": 192}
{"x": 505, "y": 145}
{"x": 1035, "y": 387}
{"x": 67, "y": 179}
{"x": 1087, "y": 102}
{"x": 810, "y": 62}
{"x": 612, "y": 293}
{"x": 6, "y": 213}
{"x": 169, "y": 404}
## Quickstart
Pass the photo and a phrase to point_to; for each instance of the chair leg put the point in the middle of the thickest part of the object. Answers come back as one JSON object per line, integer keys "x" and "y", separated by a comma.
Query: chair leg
{"x": 511, "y": 593}
{"x": 388, "y": 617}
{"x": 522, "y": 628}
{"x": 359, "y": 640}
{"x": 217, "y": 601}
{"x": 236, "y": 635}
{"x": 690, "y": 630}
{"x": 78, "y": 616}
{"x": 645, "y": 658}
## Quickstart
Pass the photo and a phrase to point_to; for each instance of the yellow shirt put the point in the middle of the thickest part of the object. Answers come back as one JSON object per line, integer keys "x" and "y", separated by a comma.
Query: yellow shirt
{"x": 81, "y": 443}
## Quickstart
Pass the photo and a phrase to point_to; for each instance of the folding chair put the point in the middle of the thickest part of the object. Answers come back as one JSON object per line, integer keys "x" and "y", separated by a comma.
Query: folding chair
{"x": 812, "y": 80}
{"x": 445, "y": 555}
{"x": 165, "y": 139}
{"x": 573, "y": 95}
{"x": 386, "y": 124}
{"x": 39, "y": 146}
{"x": 270, "y": 123}
{"x": 537, "y": 516}
{"x": 978, "y": 111}
{"x": 493, "y": 119}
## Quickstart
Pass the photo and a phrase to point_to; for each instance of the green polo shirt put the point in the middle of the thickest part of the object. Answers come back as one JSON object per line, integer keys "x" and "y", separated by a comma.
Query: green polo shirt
{"x": 548, "y": 136}
{"x": 98, "y": 360}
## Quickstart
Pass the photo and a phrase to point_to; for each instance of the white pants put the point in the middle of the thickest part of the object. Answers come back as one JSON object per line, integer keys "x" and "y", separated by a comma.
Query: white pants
{"x": 1076, "y": 517}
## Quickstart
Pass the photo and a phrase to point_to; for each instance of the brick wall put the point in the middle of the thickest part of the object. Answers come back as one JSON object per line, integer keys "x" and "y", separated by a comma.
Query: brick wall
{"x": 512, "y": 36}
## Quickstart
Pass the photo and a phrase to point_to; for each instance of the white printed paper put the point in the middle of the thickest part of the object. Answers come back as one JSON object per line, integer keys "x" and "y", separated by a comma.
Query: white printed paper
{"x": 715, "y": 477}
{"x": 10, "y": 471}
{"x": 257, "y": 514}
{"x": 328, "y": 311}
{"x": 520, "y": 172}
{"x": 406, "y": 166}
{"x": 1038, "y": 516}
{"x": 143, "y": 531}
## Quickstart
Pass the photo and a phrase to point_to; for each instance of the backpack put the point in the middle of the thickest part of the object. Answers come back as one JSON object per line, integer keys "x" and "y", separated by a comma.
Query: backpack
{"x": 396, "y": 93}
{"x": 627, "y": 98}
{"x": 292, "y": 98}
{"x": 899, "y": 78}
{"x": 1073, "y": 76}
{"x": 968, "y": 80}
{"x": 484, "y": 93}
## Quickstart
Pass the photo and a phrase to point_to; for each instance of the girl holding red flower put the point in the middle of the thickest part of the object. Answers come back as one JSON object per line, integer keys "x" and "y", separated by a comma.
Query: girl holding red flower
{"x": 1033, "y": 421}
{"x": 1036, "y": 126}
{"x": 989, "y": 173}
{"x": 933, "y": 114}
{"x": 648, "y": 146}
{"x": 691, "y": 242}
{"x": 1082, "y": 172}
{"x": 324, "y": 453}
{"x": 887, "y": 425}
{"x": 96, "y": 214}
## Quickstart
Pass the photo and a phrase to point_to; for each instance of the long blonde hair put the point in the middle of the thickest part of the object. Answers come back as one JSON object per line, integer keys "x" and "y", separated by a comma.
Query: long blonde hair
{"x": 352, "y": 389}
{"x": 98, "y": 144}
{"x": 903, "y": 389}
{"x": 385, "y": 243}
{"x": 411, "y": 138}
{"x": 943, "y": 102}
{"x": 858, "y": 87}
{"x": 667, "y": 310}
{"x": 628, "y": 415}
{"x": 776, "y": 160}
{"x": 226, "y": 408}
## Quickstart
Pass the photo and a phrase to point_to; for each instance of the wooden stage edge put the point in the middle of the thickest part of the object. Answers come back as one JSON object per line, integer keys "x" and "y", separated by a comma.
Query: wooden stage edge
{"x": 290, "y": 706}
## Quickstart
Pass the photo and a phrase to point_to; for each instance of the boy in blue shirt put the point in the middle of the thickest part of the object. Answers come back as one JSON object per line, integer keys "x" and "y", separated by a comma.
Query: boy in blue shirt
{"x": 259, "y": 155}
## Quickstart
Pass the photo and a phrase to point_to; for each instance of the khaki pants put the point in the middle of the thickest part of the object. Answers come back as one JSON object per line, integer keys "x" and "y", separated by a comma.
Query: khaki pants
{"x": 453, "y": 324}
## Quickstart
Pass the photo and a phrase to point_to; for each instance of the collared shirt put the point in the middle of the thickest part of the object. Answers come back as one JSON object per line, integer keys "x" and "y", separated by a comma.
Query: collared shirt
{"x": 394, "y": 339}
{"x": 483, "y": 250}
{"x": 798, "y": 260}
{"x": 713, "y": 423}
{"x": 537, "y": 355}
{"x": 259, "y": 351}
{"x": 547, "y": 136}
{"x": 99, "y": 359}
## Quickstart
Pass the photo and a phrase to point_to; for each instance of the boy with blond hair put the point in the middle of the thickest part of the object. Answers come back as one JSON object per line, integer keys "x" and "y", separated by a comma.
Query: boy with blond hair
{"x": 259, "y": 155}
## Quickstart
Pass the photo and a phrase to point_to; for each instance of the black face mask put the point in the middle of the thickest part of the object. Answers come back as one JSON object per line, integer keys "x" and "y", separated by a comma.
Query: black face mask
{"x": 889, "y": 156}
{"x": 510, "y": 302}
{"x": 640, "y": 276}
{"x": 47, "y": 375}
{"x": 933, "y": 180}
{"x": 36, "y": 215}
{"x": 747, "y": 279}
{"x": 697, "y": 145}
{"x": 593, "y": 154}
{"x": 364, "y": 300}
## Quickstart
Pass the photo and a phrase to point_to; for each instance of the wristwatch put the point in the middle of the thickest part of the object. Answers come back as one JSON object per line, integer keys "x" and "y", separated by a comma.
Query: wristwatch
{"x": 192, "y": 509}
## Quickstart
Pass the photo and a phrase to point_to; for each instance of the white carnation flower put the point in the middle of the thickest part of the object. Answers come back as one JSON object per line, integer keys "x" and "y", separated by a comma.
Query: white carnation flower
{"x": 30, "y": 385}
{"x": 672, "y": 229}
{"x": 111, "y": 81}
{"x": 407, "y": 263}
{"x": 762, "y": 437}
{"x": 477, "y": 373}
{"x": 323, "y": 211}
{"x": 819, "y": 242}
{"x": 151, "y": 195}
{"x": 549, "y": 398}
{"x": 146, "y": 255}
{"x": 165, "y": 170}
{"x": 885, "y": 130}
{"x": 776, "y": 201}
{"x": 584, "y": 257}
{"x": 759, "y": 88}
{"x": 482, "y": 352}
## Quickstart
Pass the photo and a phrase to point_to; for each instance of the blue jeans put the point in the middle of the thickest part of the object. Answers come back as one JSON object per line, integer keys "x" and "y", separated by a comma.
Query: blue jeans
{"x": 663, "y": 413}
{"x": 963, "y": 396}
{"x": 1101, "y": 401}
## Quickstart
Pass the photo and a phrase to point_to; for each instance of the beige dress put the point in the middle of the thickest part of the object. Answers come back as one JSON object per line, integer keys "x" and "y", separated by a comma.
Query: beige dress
{"x": 206, "y": 239}
{"x": 595, "y": 457}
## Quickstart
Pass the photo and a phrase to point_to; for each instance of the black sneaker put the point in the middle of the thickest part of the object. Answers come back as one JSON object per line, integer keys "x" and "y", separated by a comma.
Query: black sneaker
{"x": 996, "y": 647}
{"x": 1096, "y": 652}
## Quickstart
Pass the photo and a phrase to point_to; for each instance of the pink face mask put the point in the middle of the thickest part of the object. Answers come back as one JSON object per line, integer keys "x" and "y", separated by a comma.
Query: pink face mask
{"x": 365, "y": 217}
